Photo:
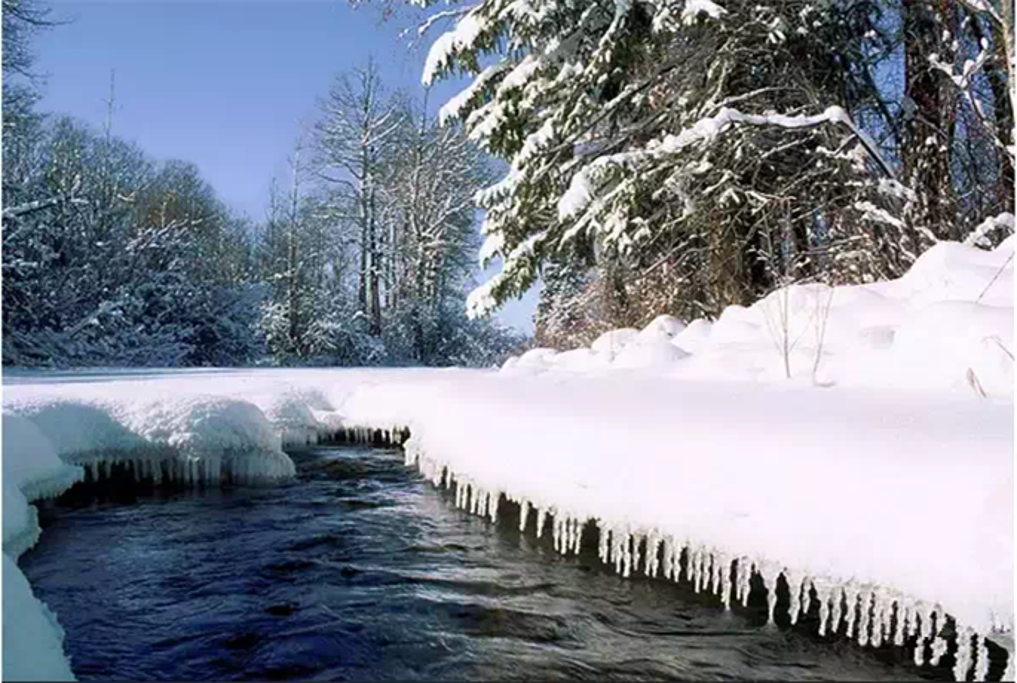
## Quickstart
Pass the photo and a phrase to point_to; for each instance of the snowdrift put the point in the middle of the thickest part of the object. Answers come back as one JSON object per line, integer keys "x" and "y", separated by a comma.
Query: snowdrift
{"x": 854, "y": 443}
{"x": 945, "y": 325}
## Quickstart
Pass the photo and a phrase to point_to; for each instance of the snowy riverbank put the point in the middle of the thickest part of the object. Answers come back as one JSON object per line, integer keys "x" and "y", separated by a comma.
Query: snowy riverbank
{"x": 880, "y": 474}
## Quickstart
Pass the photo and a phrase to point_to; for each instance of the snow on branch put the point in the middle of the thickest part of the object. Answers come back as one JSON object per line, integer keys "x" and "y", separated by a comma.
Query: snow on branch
{"x": 706, "y": 130}
{"x": 462, "y": 37}
{"x": 979, "y": 237}
{"x": 482, "y": 300}
{"x": 451, "y": 109}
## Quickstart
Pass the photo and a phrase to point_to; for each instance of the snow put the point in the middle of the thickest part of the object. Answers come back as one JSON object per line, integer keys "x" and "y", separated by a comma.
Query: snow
{"x": 32, "y": 639}
{"x": 613, "y": 342}
{"x": 693, "y": 8}
{"x": 979, "y": 236}
{"x": 462, "y": 37}
{"x": 855, "y": 440}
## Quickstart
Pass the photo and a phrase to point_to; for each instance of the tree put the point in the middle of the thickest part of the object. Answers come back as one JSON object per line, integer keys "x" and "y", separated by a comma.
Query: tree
{"x": 355, "y": 139}
{"x": 705, "y": 154}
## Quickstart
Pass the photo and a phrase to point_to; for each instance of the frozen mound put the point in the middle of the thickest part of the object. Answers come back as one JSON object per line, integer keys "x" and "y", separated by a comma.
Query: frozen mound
{"x": 660, "y": 356}
{"x": 693, "y": 337}
{"x": 663, "y": 328}
{"x": 611, "y": 343}
{"x": 538, "y": 358}
{"x": 946, "y": 325}
{"x": 582, "y": 360}
{"x": 30, "y": 463}
{"x": 32, "y": 638}
{"x": 20, "y": 523}
{"x": 190, "y": 439}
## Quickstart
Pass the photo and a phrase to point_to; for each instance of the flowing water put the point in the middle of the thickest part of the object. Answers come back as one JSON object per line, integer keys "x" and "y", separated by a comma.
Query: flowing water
{"x": 359, "y": 570}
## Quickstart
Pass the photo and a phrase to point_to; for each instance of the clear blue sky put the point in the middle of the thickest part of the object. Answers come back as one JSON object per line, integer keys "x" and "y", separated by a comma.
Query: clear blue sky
{"x": 224, "y": 83}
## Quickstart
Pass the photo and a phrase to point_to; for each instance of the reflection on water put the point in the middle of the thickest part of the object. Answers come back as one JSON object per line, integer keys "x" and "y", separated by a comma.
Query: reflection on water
{"x": 359, "y": 570}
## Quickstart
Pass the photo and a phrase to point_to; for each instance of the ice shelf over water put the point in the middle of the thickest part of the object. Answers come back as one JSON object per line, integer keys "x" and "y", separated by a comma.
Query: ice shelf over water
{"x": 854, "y": 443}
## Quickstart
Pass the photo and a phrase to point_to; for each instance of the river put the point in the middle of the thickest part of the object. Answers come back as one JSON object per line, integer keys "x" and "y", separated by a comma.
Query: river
{"x": 359, "y": 570}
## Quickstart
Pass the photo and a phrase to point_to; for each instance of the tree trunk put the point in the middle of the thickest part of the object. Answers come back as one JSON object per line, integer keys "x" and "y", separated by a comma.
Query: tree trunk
{"x": 926, "y": 144}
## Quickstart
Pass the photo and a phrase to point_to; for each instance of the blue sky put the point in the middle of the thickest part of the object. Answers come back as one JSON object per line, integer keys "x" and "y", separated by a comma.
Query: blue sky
{"x": 225, "y": 84}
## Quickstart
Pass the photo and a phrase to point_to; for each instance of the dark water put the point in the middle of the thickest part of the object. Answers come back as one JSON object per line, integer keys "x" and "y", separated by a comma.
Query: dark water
{"x": 359, "y": 570}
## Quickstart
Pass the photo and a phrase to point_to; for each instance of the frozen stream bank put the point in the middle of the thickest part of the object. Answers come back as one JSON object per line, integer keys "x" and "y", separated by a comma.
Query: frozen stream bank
{"x": 880, "y": 512}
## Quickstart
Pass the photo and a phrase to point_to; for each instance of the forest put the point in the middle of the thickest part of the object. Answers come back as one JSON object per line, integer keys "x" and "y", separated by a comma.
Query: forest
{"x": 662, "y": 157}
{"x": 111, "y": 257}
{"x": 683, "y": 156}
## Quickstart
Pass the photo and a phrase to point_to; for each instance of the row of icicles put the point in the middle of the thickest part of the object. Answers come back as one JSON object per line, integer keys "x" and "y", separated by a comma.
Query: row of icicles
{"x": 871, "y": 614}
{"x": 187, "y": 471}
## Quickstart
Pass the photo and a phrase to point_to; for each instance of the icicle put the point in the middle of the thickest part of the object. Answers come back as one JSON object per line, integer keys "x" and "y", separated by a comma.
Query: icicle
{"x": 964, "y": 653}
{"x": 904, "y": 606}
{"x": 770, "y": 572}
{"x": 724, "y": 579}
{"x": 652, "y": 563}
{"x": 794, "y": 590}
{"x": 493, "y": 507}
{"x": 864, "y": 609}
{"x": 836, "y": 609}
{"x": 745, "y": 580}
{"x": 668, "y": 559}
{"x": 577, "y": 536}
{"x": 616, "y": 548}
{"x": 823, "y": 597}
{"x": 626, "y": 554}
{"x": 880, "y": 623}
{"x": 541, "y": 518}
{"x": 676, "y": 559}
{"x": 694, "y": 566}
{"x": 923, "y": 614}
{"x": 602, "y": 543}
{"x": 939, "y": 647}
{"x": 637, "y": 551}
{"x": 713, "y": 573}
{"x": 556, "y": 526}
{"x": 524, "y": 512}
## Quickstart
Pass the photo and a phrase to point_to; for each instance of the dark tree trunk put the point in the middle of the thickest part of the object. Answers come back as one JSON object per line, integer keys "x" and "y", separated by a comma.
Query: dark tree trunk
{"x": 926, "y": 144}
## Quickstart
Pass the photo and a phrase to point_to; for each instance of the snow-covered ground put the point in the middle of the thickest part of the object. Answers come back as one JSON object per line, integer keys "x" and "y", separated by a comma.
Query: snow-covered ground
{"x": 856, "y": 440}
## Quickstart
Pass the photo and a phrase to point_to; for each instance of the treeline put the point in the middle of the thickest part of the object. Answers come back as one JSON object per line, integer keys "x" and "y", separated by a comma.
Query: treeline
{"x": 679, "y": 156}
{"x": 112, "y": 258}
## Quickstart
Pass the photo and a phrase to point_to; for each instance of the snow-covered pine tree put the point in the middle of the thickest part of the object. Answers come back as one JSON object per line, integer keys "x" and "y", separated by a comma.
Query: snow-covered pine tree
{"x": 710, "y": 147}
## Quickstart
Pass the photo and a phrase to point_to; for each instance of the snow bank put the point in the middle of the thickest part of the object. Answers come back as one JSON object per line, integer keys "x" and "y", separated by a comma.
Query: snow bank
{"x": 946, "y": 325}
{"x": 32, "y": 638}
{"x": 33, "y": 641}
{"x": 898, "y": 503}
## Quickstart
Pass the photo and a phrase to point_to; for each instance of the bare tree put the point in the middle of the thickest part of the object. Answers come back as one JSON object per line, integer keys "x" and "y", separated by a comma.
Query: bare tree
{"x": 354, "y": 141}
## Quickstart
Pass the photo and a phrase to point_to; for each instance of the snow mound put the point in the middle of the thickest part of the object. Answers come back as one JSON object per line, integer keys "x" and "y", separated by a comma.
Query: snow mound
{"x": 660, "y": 356}
{"x": 30, "y": 463}
{"x": 661, "y": 328}
{"x": 582, "y": 360}
{"x": 693, "y": 337}
{"x": 192, "y": 439}
{"x": 537, "y": 358}
{"x": 611, "y": 343}
{"x": 32, "y": 638}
